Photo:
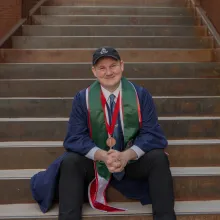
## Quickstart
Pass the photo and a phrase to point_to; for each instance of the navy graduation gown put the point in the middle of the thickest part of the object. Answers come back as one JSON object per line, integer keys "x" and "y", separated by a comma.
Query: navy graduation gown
{"x": 151, "y": 136}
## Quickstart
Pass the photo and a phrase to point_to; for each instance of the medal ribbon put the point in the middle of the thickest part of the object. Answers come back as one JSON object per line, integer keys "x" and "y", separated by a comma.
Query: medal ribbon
{"x": 110, "y": 128}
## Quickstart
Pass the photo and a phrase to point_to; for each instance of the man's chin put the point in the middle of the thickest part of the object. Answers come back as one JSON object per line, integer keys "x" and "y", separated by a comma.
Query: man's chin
{"x": 112, "y": 84}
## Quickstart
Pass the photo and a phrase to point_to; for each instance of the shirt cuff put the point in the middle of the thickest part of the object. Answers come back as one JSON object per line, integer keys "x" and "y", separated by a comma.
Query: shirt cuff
{"x": 138, "y": 151}
{"x": 91, "y": 153}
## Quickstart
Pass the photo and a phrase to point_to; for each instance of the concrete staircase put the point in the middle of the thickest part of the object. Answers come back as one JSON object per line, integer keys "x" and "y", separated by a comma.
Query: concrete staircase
{"x": 166, "y": 49}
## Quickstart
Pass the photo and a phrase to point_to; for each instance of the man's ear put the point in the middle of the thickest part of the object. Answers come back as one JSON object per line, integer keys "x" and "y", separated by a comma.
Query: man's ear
{"x": 122, "y": 65}
{"x": 94, "y": 71}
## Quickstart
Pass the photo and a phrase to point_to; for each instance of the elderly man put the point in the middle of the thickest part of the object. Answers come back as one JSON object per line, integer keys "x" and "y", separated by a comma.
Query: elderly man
{"x": 113, "y": 138}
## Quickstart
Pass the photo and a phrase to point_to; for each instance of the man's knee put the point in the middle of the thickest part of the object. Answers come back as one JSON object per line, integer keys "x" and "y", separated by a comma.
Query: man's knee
{"x": 157, "y": 156}
{"x": 71, "y": 160}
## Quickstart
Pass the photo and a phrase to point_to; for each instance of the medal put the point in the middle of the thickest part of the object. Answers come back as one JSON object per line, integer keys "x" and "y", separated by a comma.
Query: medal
{"x": 111, "y": 142}
{"x": 110, "y": 127}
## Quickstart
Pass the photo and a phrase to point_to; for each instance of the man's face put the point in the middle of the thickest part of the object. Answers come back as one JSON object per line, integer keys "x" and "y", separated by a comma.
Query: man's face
{"x": 108, "y": 71}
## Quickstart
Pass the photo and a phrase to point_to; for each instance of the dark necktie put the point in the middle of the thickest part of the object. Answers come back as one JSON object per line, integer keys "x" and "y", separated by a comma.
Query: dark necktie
{"x": 118, "y": 134}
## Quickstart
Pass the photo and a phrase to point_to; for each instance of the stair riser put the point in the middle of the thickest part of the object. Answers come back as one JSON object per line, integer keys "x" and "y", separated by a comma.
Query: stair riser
{"x": 217, "y": 55}
{"x": 61, "y": 107}
{"x": 186, "y": 188}
{"x": 147, "y": 70}
{"x": 118, "y": 3}
{"x": 114, "y": 11}
{"x": 68, "y": 88}
{"x": 56, "y": 130}
{"x": 112, "y": 31}
{"x": 115, "y": 20}
{"x": 119, "y": 42}
{"x": 67, "y": 56}
{"x": 41, "y": 157}
{"x": 194, "y": 155}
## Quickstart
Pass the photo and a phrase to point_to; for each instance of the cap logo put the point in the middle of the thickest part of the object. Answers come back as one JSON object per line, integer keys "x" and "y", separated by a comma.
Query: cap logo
{"x": 103, "y": 51}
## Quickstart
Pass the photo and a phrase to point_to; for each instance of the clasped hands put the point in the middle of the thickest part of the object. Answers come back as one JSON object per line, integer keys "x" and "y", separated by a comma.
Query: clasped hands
{"x": 115, "y": 160}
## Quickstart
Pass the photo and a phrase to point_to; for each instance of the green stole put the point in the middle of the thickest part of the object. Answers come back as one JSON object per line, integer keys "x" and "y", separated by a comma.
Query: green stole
{"x": 131, "y": 118}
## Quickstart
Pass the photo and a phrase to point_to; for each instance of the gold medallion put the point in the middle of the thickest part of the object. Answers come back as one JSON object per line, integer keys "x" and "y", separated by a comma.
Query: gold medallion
{"x": 111, "y": 142}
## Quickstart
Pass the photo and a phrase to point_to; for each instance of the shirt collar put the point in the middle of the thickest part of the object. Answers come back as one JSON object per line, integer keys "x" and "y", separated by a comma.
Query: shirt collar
{"x": 107, "y": 93}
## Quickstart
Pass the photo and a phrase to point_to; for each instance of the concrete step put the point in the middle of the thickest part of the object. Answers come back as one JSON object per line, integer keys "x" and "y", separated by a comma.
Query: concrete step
{"x": 189, "y": 184}
{"x": 61, "y": 107}
{"x": 85, "y": 55}
{"x": 69, "y": 87}
{"x": 157, "y": 3}
{"x": 38, "y": 42}
{"x": 112, "y": 30}
{"x": 71, "y": 70}
{"x": 193, "y": 210}
{"x": 40, "y": 154}
{"x": 115, "y": 10}
{"x": 112, "y": 20}
{"x": 54, "y": 129}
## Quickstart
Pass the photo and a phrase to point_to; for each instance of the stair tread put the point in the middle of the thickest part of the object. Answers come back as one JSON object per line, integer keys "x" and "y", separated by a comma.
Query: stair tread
{"x": 126, "y": 16}
{"x": 129, "y": 78}
{"x": 47, "y": 119}
{"x": 176, "y": 171}
{"x": 121, "y": 50}
{"x": 29, "y": 144}
{"x": 148, "y": 37}
{"x": 115, "y": 6}
{"x": 183, "y": 208}
{"x": 114, "y": 25}
{"x": 66, "y": 98}
{"x": 88, "y": 63}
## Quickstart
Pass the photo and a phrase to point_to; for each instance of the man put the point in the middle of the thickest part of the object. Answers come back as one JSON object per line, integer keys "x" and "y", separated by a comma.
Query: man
{"x": 113, "y": 138}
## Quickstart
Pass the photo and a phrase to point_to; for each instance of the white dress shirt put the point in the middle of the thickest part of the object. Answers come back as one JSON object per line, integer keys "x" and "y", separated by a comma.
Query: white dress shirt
{"x": 107, "y": 94}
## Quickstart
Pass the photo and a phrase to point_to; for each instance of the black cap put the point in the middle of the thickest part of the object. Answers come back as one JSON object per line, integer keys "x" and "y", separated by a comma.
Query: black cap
{"x": 105, "y": 52}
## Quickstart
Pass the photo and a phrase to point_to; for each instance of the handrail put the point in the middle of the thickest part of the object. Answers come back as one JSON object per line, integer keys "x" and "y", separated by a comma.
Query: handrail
{"x": 200, "y": 11}
{"x": 12, "y": 31}
{"x": 209, "y": 25}
{"x": 36, "y": 7}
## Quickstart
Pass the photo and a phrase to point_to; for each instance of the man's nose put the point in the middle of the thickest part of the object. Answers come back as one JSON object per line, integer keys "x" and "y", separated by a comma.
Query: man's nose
{"x": 108, "y": 71}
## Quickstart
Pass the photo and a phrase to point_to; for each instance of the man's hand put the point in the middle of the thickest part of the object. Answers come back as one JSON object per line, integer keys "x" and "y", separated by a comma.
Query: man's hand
{"x": 112, "y": 162}
{"x": 117, "y": 160}
{"x": 102, "y": 155}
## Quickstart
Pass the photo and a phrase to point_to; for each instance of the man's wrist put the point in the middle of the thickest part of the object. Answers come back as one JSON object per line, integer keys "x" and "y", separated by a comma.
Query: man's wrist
{"x": 100, "y": 155}
{"x": 130, "y": 154}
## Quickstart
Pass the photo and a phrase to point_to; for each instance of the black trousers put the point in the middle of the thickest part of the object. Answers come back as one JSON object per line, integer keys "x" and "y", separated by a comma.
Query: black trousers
{"x": 77, "y": 171}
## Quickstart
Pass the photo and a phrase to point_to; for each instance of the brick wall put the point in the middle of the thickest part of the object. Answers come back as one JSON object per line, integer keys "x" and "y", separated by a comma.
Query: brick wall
{"x": 212, "y": 7}
{"x": 10, "y": 13}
